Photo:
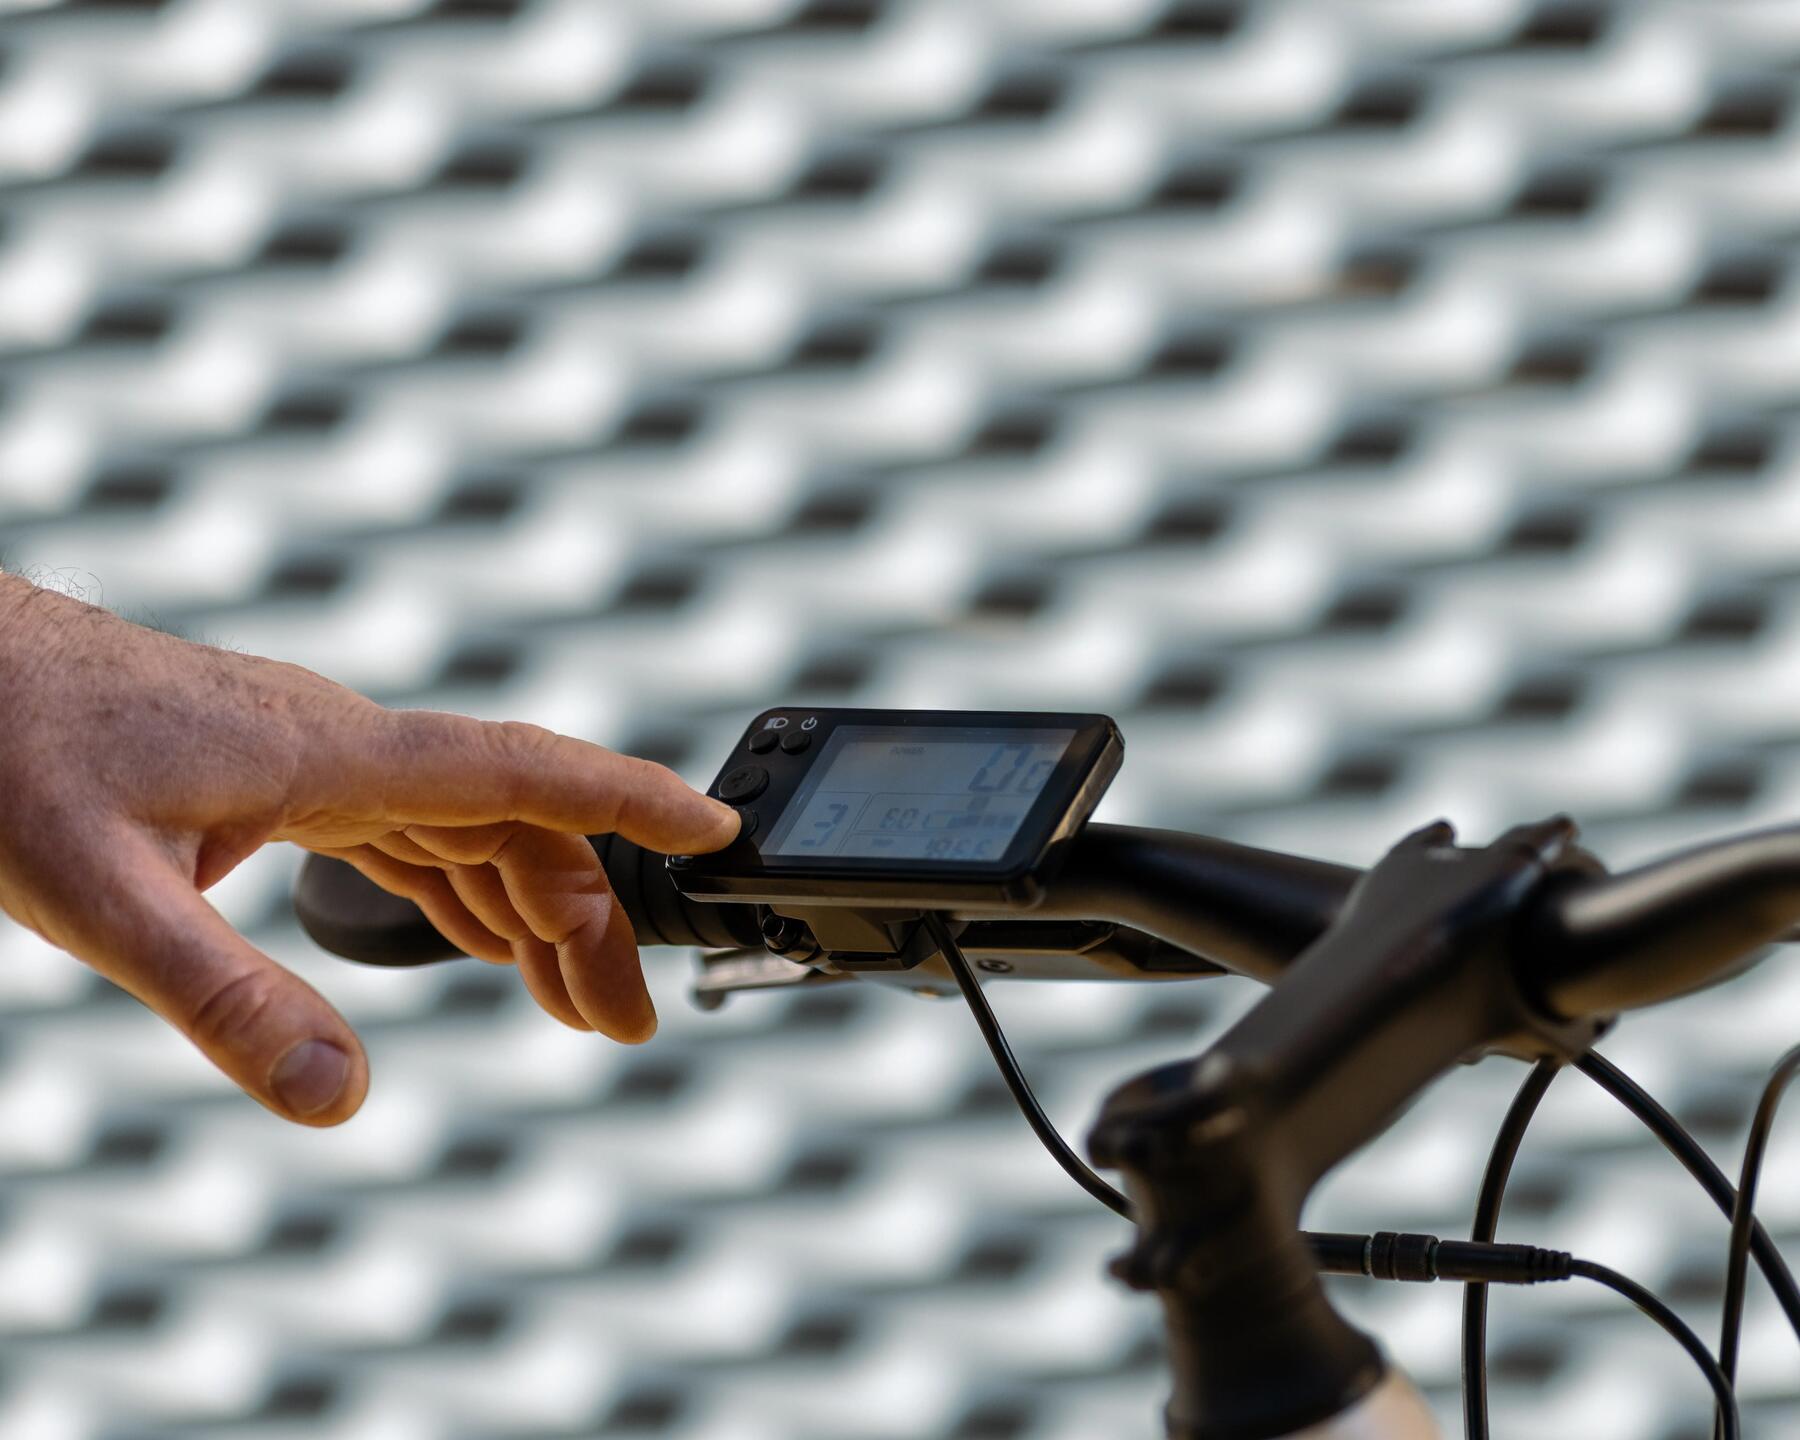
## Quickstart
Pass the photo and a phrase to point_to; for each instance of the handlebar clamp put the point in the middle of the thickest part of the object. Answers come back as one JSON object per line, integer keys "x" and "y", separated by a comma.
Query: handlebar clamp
{"x": 1219, "y": 1154}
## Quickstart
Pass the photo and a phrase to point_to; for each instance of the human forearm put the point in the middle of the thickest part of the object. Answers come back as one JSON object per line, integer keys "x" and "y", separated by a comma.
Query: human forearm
{"x": 14, "y": 590}
{"x": 19, "y": 620}
{"x": 40, "y": 629}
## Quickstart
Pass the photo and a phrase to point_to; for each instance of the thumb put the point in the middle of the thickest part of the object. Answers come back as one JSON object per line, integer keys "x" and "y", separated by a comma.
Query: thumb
{"x": 152, "y": 933}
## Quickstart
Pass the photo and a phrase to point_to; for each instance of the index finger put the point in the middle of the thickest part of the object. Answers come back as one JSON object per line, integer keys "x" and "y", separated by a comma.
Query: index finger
{"x": 434, "y": 768}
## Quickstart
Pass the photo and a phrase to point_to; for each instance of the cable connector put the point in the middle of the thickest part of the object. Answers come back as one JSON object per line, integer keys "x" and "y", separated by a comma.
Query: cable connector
{"x": 1424, "y": 1258}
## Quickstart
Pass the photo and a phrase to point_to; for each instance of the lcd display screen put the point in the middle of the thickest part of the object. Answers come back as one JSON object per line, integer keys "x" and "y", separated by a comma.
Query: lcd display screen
{"x": 910, "y": 793}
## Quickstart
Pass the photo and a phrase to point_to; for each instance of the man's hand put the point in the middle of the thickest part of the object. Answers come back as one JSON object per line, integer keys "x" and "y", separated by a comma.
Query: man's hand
{"x": 137, "y": 770}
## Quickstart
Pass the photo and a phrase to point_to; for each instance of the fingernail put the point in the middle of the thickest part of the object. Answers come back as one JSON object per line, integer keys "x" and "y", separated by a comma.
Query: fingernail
{"x": 310, "y": 1076}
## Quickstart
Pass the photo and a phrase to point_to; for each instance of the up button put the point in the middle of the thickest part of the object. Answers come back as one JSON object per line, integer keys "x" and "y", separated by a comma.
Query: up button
{"x": 744, "y": 783}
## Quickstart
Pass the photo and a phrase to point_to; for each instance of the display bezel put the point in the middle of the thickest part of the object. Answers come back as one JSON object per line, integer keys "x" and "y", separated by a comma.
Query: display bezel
{"x": 743, "y": 872}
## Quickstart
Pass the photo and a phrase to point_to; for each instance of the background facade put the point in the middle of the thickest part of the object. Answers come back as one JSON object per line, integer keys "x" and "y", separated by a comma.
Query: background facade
{"x": 1383, "y": 409}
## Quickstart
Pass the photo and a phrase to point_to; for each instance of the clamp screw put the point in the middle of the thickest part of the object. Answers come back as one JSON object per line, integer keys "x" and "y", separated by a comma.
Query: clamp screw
{"x": 995, "y": 966}
{"x": 1132, "y": 1269}
{"x": 789, "y": 938}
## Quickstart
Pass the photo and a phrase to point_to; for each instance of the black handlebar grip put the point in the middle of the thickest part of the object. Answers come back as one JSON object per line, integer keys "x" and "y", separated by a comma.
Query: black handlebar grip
{"x": 661, "y": 914}
{"x": 351, "y": 916}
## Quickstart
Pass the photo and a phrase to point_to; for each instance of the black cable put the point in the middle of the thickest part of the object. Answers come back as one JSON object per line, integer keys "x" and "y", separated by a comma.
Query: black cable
{"x": 1386, "y": 1256}
{"x": 1425, "y": 1258}
{"x": 1685, "y": 1337}
{"x": 1013, "y": 1075}
{"x": 1382, "y": 1256}
{"x": 1700, "y": 1165}
{"x": 1743, "y": 1212}
{"x": 1487, "y": 1221}
{"x": 1493, "y": 1263}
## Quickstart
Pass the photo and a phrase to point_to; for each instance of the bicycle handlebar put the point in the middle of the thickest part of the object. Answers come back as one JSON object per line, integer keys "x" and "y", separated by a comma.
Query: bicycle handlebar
{"x": 1594, "y": 944}
{"x": 1625, "y": 941}
{"x": 1183, "y": 904}
{"x": 1248, "y": 910}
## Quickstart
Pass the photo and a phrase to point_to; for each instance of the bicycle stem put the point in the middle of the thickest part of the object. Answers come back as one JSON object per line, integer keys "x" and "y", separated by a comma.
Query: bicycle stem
{"x": 1219, "y": 1153}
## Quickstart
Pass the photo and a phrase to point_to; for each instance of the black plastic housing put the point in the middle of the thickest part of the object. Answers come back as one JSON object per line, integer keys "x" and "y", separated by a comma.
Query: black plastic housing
{"x": 1017, "y": 881}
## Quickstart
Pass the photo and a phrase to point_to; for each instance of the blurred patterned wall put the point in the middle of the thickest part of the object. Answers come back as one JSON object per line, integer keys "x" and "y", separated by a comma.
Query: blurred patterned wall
{"x": 1383, "y": 408}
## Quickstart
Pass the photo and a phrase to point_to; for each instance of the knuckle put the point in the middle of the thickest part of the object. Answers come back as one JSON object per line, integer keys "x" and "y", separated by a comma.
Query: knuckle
{"x": 451, "y": 845}
{"x": 525, "y": 753}
{"x": 412, "y": 734}
{"x": 651, "y": 775}
{"x": 644, "y": 783}
{"x": 440, "y": 731}
{"x": 522, "y": 737}
{"x": 502, "y": 843}
{"x": 235, "y": 1008}
{"x": 430, "y": 844}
